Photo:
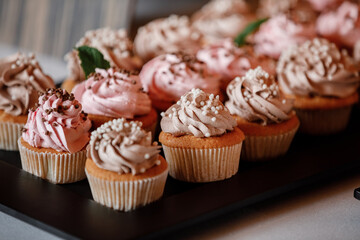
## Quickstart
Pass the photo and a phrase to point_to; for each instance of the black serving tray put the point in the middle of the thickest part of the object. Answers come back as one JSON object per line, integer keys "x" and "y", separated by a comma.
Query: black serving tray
{"x": 68, "y": 210}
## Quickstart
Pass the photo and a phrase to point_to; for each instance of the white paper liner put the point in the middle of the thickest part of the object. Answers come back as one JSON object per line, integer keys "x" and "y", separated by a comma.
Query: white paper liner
{"x": 9, "y": 134}
{"x": 322, "y": 122}
{"x": 203, "y": 165}
{"x": 127, "y": 195}
{"x": 262, "y": 148}
{"x": 56, "y": 168}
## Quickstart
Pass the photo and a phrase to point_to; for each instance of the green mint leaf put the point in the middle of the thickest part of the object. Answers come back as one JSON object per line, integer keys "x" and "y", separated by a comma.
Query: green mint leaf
{"x": 240, "y": 39}
{"x": 91, "y": 58}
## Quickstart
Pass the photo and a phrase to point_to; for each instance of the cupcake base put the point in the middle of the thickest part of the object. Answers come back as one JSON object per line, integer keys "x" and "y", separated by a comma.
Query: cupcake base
{"x": 126, "y": 192}
{"x": 264, "y": 143}
{"x": 10, "y": 130}
{"x": 55, "y": 167}
{"x": 193, "y": 159}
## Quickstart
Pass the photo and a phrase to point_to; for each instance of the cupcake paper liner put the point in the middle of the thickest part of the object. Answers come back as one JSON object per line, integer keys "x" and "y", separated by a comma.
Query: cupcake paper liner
{"x": 203, "y": 165}
{"x": 9, "y": 134}
{"x": 322, "y": 122}
{"x": 262, "y": 148}
{"x": 54, "y": 167}
{"x": 127, "y": 195}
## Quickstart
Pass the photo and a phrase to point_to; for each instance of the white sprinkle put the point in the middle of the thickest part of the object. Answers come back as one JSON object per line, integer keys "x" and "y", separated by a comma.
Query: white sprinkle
{"x": 147, "y": 156}
{"x": 18, "y": 62}
{"x": 211, "y": 97}
{"x": 162, "y": 114}
{"x": 142, "y": 170}
{"x": 207, "y": 134}
{"x": 188, "y": 102}
{"x": 204, "y": 113}
{"x": 158, "y": 162}
{"x": 217, "y": 97}
{"x": 216, "y": 112}
{"x": 31, "y": 78}
{"x": 126, "y": 125}
{"x": 213, "y": 119}
{"x": 170, "y": 115}
{"x": 13, "y": 66}
{"x": 173, "y": 109}
{"x": 178, "y": 103}
{"x": 274, "y": 93}
{"x": 202, "y": 103}
{"x": 231, "y": 87}
{"x": 213, "y": 109}
{"x": 283, "y": 101}
{"x": 237, "y": 79}
{"x": 33, "y": 62}
{"x": 264, "y": 86}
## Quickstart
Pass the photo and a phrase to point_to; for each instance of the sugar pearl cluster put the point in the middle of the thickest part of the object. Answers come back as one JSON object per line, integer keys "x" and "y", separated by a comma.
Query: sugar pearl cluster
{"x": 26, "y": 60}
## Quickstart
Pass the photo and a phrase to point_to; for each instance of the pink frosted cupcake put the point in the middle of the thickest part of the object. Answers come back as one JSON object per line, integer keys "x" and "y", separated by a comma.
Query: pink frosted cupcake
{"x": 167, "y": 35}
{"x": 220, "y": 19}
{"x": 280, "y": 33}
{"x": 323, "y": 5}
{"x": 114, "y": 93}
{"x": 53, "y": 142}
{"x": 21, "y": 80}
{"x": 167, "y": 77}
{"x": 229, "y": 61}
{"x": 263, "y": 114}
{"x": 341, "y": 26}
{"x": 116, "y": 47}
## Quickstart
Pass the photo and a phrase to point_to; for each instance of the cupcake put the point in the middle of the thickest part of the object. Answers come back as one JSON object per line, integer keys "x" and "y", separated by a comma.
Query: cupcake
{"x": 200, "y": 139}
{"x": 280, "y": 33}
{"x": 21, "y": 78}
{"x": 116, "y": 47}
{"x": 341, "y": 26}
{"x": 115, "y": 93}
{"x": 167, "y": 35}
{"x": 228, "y": 61}
{"x": 220, "y": 19}
{"x": 53, "y": 142}
{"x": 263, "y": 114}
{"x": 323, "y": 81}
{"x": 167, "y": 77}
{"x": 323, "y": 5}
{"x": 124, "y": 168}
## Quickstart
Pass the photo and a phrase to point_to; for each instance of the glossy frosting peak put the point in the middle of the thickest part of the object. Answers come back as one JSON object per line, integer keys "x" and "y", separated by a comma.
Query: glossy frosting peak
{"x": 113, "y": 93}
{"x": 256, "y": 98}
{"x": 199, "y": 114}
{"x": 21, "y": 78}
{"x": 123, "y": 147}
{"x": 317, "y": 67}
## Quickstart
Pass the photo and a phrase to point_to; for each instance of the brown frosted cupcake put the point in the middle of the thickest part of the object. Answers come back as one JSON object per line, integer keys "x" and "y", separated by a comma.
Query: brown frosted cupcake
{"x": 124, "y": 168}
{"x": 54, "y": 138}
{"x": 199, "y": 139}
{"x": 116, "y": 47}
{"x": 323, "y": 82}
{"x": 115, "y": 93}
{"x": 21, "y": 78}
{"x": 263, "y": 114}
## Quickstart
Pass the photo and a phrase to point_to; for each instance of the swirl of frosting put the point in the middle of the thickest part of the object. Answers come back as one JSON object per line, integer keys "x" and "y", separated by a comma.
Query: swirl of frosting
{"x": 123, "y": 147}
{"x": 222, "y": 19}
{"x": 197, "y": 113}
{"x": 167, "y": 77}
{"x": 115, "y": 45}
{"x": 113, "y": 93}
{"x": 341, "y": 26}
{"x": 166, "y": 35}
{"x": 229, "y": 61}
{"x": 317, "y": 67}
{"x": 256, "y": 98}
{"x": 21, "y": 78}
{"x": 57, "y": 122}
{"x": 280, "y": 33}
{"x": 322, "y": 5}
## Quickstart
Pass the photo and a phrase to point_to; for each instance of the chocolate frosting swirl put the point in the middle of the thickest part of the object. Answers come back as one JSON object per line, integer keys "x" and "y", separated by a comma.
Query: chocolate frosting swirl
{"x": 256, "y": 98}
{"x": 21, "y": 78}
{"x": 123, "y": 147}
{"x": 317, "y": 67}
{"x": 197, "y": 113}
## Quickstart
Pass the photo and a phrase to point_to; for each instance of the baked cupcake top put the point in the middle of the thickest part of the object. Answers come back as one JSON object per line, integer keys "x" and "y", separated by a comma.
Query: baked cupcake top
{"x": 229, "y": 61}
{"x": 280, "y": 33}
{"x": 256, "y": 98}
{"x": 317, "y": 67}
{"x": 123, "y": 147}
{"x": 21, "y": 78}
{"x": 169, "y": 76}
{"x": 199, "y": 114}
{"x": 113, "y": 93}
{"x": 222, "y": 19}
{"x": 166, "y": 35}
{"x": 57, "y": 122}
{"x": 115, "y": 45}
{"x": 341, "y": 26}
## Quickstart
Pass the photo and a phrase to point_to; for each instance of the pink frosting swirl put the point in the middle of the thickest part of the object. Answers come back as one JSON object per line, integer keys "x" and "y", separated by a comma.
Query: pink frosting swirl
{"x": 115, "y": 45}
{"x": 167, "y": 77}
{"x": 322, "y": 5}
{"x": 230, "y": 61}
{"x": 113, "y": 93}
{"x": 57, "y": 123}
{"x": 341, "y": 26}
{"x": 280, "y": 33}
